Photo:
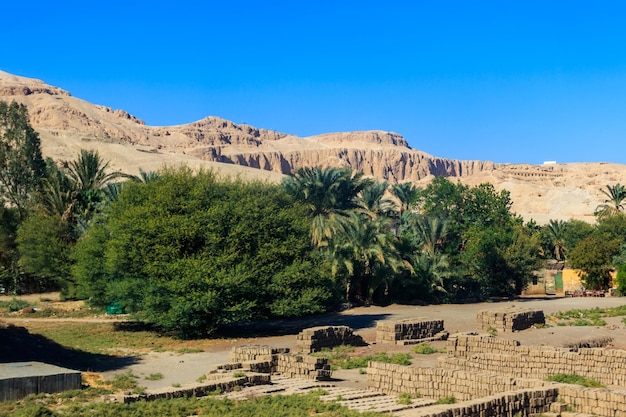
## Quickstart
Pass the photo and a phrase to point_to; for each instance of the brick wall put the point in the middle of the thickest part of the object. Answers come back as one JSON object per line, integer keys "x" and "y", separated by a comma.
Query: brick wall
{"x": 315, "y": 339}
{"x": 401, "y": 331}
{"x": 505, "y": 357}
{"x": 509, "y": 319}
{"x": 280, "y": 361}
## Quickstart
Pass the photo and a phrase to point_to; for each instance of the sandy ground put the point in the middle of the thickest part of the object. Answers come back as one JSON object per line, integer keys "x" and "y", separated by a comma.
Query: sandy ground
{"x": 184, "y": 368}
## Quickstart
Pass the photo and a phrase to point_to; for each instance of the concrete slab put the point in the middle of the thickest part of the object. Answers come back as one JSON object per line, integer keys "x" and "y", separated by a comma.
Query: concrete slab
{"x": 19, "y": 379}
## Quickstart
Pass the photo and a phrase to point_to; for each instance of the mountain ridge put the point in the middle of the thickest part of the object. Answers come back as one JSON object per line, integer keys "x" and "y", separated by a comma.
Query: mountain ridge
{"x": 66, "y": 124}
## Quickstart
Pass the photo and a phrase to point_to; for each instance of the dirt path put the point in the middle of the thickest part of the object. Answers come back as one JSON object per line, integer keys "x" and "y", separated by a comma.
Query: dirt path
{"x": 185, "y": 368}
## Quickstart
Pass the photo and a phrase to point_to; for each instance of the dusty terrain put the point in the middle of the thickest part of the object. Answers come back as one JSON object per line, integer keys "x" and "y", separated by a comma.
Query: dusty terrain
{"x": 457, "y": 318}
{"x": 179, "y": 368}
{"x": 66, "y": 124}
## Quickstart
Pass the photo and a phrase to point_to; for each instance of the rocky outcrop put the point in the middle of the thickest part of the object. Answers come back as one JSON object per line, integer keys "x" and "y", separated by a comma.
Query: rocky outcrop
{"x": 67, "y": 124}
{"x": 393, "y": 165}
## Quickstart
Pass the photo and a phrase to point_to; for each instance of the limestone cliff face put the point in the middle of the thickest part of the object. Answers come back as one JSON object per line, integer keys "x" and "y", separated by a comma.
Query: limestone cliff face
{"x": 380, "y": 154}
{"x": 67, "y": 124}
{"x": 390, "y": 164}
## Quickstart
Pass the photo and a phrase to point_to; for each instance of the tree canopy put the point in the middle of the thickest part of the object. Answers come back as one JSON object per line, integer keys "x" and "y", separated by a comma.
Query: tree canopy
{"x": 190, "y": 252}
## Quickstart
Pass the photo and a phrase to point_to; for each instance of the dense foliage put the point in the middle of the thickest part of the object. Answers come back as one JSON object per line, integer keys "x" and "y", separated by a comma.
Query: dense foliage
{"x": 190, "y": 252}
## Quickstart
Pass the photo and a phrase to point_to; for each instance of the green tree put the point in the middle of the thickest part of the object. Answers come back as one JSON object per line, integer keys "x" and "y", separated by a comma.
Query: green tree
{"x": 407, "y": 195}
{"x": 21, "y": 165}
{"x": 329, "y": 194}
{"x": 44, "y": 246}
{"x": 555, "y": 232}
{"x": 575, "y": 231}
{"x": 364, "y": 254}
{"x": 374, "y": 202}
{"x": 593, "y": 256}
{"x": 620, "y": 263}
{"x": 614, "y": 202}
{"x": 188, "y": 253}
{"x": 90, "y": 180}
{"x": 9, "y": 269}
{"x": 500, "y": 261}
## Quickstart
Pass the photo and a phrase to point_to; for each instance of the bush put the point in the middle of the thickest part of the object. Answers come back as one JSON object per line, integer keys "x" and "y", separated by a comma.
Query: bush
{"x": 16, "y": 305}
{"x": 188, "y": 253}
{"x": 450, "y": 399}
{"x": 424, "y": 349}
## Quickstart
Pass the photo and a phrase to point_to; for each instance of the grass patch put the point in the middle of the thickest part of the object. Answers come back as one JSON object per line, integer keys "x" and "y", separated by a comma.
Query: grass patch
{"x": 405, "y": 398}
{"x": 425, "y": 349}
{"x": 14, "y": 305}
{"x": 239, "y": 374}
{"x": 576, "y": 380}
{"x": 450, "y": 399}
{"x": 189, "y": 350}
{"x": 201, "y": 379}
{"x": 107, "y": 338}
{"x": 340, "y": 357}
{"x": 155, "y": 377}
{"x": 590, "y": 317}
{"x": 124, "y": 382}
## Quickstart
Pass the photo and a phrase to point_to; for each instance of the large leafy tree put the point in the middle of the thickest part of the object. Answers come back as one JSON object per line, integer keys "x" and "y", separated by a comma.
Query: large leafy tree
{"x": 500, "y": 261}
{"x": 593, "y": 256}
{"x": 21, "y": 164}
{"x": 191, "y": 252}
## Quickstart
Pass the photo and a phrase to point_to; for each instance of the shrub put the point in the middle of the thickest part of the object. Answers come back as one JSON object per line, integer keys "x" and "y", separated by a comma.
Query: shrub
{"x": 424, "y": 349}
{"x": 450, "y": 399}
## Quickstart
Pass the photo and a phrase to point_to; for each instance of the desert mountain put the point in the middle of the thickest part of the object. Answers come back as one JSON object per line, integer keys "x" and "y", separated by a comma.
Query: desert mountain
{"x": 66, "y": 124}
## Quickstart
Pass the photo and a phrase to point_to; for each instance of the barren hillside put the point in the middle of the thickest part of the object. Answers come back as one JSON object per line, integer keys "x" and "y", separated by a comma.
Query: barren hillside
{"x": 66, "y": 124}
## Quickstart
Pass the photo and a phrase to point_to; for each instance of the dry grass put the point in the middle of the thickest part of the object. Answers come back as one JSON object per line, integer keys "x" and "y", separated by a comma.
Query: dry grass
{"x": 113, "y": 338}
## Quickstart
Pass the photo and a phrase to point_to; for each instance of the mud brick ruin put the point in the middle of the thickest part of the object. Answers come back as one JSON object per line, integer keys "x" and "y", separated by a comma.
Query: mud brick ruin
{"x": 279, "y": 361}
{"x": 509, "y": 320}
{"x": 315, "y": 339}
{"x": 409, "y": 331}
{"x": 486, "y": 374}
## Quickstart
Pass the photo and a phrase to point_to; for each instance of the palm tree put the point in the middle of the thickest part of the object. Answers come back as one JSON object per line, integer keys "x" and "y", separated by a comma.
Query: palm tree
{"x": 89, "y": 171}
{"x": 407, "y": 194}
{"x": 432, "y": 231}
{"x": 90, "y": 178}
{"x": 556, "y": 234}
{"x": 429, "y": 262}
{"x": 434, "y": 269}
{"x": 56, "y": 195}
{"x": 366, "y": 255}
{"x": 374, "y": 203}
{"x": 329, "y": 194}
{"x": 615, "y": 201}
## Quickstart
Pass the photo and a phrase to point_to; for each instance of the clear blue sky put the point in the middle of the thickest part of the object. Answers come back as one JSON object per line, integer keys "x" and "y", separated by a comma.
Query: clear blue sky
{"x": 505, "y": 81}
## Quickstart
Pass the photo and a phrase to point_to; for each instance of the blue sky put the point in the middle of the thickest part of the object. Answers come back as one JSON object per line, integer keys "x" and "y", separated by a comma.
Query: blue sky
{"x": 505, "y": 81}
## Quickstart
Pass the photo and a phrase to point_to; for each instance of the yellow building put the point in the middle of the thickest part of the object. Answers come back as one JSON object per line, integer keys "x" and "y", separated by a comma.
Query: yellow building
{"x": 556, "y": 279}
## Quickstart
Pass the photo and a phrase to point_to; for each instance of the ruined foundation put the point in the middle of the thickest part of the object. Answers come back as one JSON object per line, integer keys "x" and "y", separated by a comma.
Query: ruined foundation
{"x": 409, "y": 331}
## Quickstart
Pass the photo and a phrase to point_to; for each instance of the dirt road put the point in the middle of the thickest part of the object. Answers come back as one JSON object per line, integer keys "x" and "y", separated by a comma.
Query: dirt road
{"x": 185, "y": 368}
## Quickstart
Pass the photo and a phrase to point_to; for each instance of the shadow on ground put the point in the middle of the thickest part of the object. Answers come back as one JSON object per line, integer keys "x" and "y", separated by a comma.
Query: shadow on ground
{"x": 18, "y": 345}
{"x": 282, "y": 327}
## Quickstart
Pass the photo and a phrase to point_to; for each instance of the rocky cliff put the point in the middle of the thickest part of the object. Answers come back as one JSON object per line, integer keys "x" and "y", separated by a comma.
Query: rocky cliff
{"x": 66, "y": 124}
